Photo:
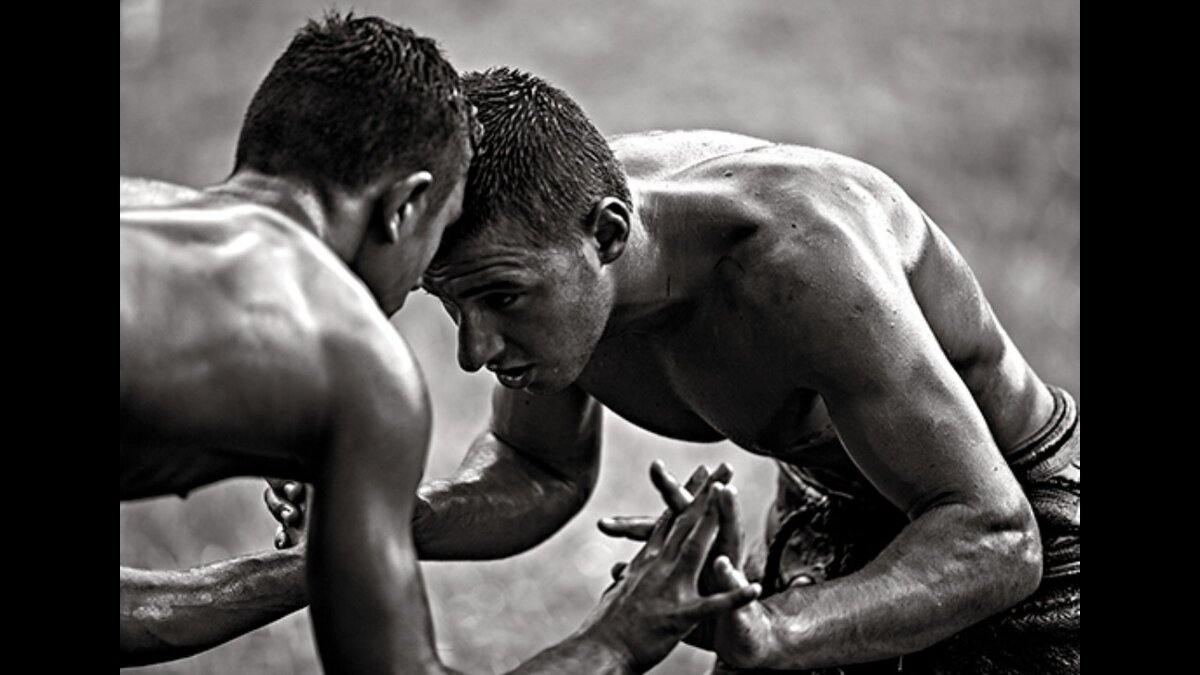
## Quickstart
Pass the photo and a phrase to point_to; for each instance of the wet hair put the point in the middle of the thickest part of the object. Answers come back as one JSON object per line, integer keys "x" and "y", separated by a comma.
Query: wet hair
{"x": 353, "y": 99}
{"x": 540, "y": 161}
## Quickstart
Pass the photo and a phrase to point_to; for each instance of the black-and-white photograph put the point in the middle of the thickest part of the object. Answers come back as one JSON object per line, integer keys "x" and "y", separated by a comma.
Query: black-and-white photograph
{"x": 564, "y": 337}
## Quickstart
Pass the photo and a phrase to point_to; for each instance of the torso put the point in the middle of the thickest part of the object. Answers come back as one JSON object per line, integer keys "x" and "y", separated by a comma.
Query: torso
{"x": 709, "y": 374}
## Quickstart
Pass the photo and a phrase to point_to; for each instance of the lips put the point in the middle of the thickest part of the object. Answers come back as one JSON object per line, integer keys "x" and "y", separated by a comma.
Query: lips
{"x": 515, "y": 378}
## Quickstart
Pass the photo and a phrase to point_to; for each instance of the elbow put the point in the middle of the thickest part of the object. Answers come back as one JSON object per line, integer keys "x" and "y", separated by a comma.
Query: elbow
{"x": 1014, "y": 546}
{"x": 566, "y": 497}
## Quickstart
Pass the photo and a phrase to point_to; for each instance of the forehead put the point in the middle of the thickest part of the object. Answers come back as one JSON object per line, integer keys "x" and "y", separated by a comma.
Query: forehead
{"x": 503, "y": 250}
{"x": 487, "y": 255}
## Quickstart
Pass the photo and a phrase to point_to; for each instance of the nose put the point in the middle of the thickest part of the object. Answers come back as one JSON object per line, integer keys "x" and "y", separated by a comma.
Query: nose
{"x": 477, "y": 344}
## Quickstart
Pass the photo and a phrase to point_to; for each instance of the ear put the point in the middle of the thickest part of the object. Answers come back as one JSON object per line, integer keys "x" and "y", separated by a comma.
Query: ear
{"x": 405, "y": 205}
{"x": 608, "y": 226}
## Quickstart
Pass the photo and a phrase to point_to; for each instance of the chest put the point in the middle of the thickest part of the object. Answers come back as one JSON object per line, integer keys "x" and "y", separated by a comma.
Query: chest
{"x": 714, "y": 374}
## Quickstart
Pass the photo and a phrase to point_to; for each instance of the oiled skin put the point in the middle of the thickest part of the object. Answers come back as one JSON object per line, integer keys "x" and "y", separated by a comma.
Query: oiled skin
{"x": 775, "y": 296}
{"x": 248, "y": 348}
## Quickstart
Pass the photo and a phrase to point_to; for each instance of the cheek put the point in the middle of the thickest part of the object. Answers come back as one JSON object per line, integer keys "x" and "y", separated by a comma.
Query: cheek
{"x": 582, "y": 323}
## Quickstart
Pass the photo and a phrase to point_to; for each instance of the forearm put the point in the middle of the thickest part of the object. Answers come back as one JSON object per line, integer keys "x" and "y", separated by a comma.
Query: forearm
{"x": 947, "y": 570}
{"x": 173, "y": 614}
{"x": 580, "y": 653}
{"x": 499, "y": 503}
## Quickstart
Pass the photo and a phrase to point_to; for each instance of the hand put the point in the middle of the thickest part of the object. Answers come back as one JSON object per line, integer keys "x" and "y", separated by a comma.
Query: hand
{"x": 657, "y": 600}
{"x": 729, "y": 536}
{"x": 677, "y": 497}
{"x": 741, "y": 638}
{"x": 288, "y": 502}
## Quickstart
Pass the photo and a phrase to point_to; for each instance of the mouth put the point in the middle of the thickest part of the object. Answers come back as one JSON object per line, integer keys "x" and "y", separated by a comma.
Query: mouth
{"x": 515, "y": 378}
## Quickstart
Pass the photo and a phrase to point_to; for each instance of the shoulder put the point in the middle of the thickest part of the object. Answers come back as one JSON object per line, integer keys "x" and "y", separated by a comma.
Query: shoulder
{"x": 828, "y": 247}
{"x": 242, "y": 286}
{"x": 651, "y": 154}
{"x": 301, "y": 302}
{"x": 817, "y": 216}
{"x": 812, "y": 184}
{"x": 142, "y": 192}
{"x": 362, "y": 352}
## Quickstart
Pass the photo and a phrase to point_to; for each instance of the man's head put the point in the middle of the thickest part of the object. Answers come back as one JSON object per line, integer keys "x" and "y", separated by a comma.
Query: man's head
{"x": 525, "y": 272}
{"x": 362, "y": 109}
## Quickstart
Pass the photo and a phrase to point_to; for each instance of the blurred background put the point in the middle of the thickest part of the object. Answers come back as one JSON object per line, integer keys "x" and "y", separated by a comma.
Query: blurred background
{"x": 972, "y": 106}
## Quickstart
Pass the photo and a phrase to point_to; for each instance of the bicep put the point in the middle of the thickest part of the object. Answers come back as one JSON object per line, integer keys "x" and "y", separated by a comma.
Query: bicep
{"x": 379, "y": 422}
{"x": 916, "y": 434}
{"x": 369, "y": 606}
{"x": 904, "y": 415}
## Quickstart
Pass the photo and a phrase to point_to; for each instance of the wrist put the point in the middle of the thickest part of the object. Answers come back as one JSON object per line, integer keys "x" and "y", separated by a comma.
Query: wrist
{"x": 753, "y": 639}
{"x": 605, "y": 648}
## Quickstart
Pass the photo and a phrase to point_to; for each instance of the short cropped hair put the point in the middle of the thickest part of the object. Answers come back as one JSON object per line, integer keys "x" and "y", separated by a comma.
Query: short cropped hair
{"x": 353, "y": 99}
{"x": 540, "y": 160}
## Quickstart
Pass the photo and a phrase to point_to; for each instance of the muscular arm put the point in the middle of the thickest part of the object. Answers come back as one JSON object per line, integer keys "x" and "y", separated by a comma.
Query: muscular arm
{"x": 520, "y": 482}
{"x": 169, "y": 615}
{"x": 369, "y": 609}
{"x": 910, "y": 424}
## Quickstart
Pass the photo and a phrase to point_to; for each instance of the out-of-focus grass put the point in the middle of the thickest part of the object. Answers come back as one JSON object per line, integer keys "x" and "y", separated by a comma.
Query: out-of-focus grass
{"x": 972, "y": 106}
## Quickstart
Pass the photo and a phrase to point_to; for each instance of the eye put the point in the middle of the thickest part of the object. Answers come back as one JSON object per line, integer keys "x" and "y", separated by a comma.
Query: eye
{"x": 500, "y": 300}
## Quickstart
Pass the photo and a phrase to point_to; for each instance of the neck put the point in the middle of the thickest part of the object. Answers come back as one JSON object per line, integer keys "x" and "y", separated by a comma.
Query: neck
{"x": 646, "y": 288}
{"x": 337, "y": 217}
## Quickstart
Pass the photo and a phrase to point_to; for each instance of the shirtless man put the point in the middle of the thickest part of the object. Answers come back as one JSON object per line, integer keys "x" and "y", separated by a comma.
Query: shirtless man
{"x": 253, "y": 343}
{"x": 710, "y": 286}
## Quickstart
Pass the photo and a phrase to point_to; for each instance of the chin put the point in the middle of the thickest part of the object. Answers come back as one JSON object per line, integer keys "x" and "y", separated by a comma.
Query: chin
{"x": 553, "y": 382}
{"x": 544, "y": 388}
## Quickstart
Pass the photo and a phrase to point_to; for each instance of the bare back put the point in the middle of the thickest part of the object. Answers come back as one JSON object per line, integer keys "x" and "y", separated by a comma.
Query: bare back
{"x": 224, "y": 307}
{"x": 756, "y": 226}
{"x": 249, "y": 349}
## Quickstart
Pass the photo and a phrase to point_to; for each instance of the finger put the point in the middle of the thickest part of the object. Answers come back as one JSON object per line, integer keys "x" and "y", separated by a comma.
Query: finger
{"x": 286, "y": 513}
{"x": 282, "y": 540}
{"x": 293, "y": 491}
{"x": 672, "y": 492}
{"x": 722, "y": 474}
{"x": 618, "y": 570}
{"x": 277, "y": 484}
{"x": 695, "y": 548}
{"x": 274, "y": 503}
{"x": 722, "y": 603}
{"x": 727, "y": 576}
{"x": 637, "y": 528}
{"x": 698, "y": 520}
{"x": 729, "y": 538}
{"x": 697, "y": 480}
{"x": 662, "y": 529}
